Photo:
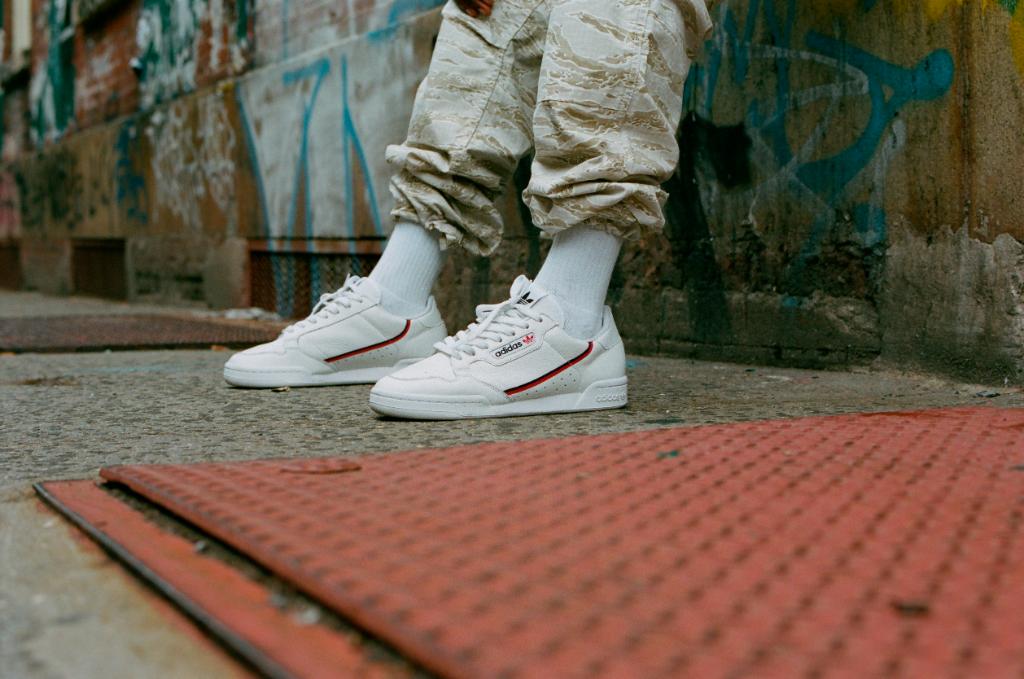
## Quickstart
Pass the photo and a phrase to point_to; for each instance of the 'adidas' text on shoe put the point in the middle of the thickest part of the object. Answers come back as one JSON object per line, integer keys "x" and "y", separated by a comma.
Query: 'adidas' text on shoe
{"x": 514, "y": 360}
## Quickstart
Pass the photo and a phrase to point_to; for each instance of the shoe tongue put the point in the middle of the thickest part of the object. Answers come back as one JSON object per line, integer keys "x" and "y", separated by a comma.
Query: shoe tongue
{"x": 539, "y": 300}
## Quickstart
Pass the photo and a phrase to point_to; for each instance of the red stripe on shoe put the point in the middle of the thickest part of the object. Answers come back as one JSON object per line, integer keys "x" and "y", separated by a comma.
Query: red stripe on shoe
{"x": 547, "y": 376}
{"x": 372, "y": 347}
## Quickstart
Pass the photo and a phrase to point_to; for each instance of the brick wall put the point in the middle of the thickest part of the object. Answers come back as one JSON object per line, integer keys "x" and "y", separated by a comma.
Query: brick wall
{"x": 105, "y": 85}
{"x": 135, "y": 54}
{"x": 130, "y": 56}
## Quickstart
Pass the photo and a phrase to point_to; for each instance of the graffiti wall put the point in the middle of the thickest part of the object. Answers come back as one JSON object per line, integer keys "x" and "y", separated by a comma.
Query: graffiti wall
{"x": 795, "y": 121}
{"x": 289, "y": 156}
{"x": 849, "y": 186}
{"x": 52, "y": 89}
{"x": 827, "y": 150}
{"x": 286, "y": 28}
{"x": 183, "y": 45}
{"x": 317, "y": 148}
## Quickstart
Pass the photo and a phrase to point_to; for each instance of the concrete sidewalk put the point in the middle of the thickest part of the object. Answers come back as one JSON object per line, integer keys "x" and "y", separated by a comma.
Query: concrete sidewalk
{"x": 68, "y": 611}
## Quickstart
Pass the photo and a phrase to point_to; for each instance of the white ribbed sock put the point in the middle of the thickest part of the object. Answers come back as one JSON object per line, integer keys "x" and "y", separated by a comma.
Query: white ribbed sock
{"x": 577, "y": 272}
{"x": 408, "y": 269}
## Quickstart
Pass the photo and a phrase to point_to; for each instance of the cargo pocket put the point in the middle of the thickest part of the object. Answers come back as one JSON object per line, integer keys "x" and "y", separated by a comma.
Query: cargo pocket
{"x": 498, "y": 30}
{"x": 596, "y": 53}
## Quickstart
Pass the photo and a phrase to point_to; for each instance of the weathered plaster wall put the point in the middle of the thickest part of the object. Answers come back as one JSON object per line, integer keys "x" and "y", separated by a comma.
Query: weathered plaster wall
{"x": 285, "y": 28}
{"x": 848, "y": 187}
{"x": 105, "y": 85}
{"x": 288, "y": 155}
{"x": 849, "y": 183}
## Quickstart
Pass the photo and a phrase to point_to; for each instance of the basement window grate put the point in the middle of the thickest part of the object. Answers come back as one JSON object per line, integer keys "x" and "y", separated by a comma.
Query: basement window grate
{"x": 290, "y": 283}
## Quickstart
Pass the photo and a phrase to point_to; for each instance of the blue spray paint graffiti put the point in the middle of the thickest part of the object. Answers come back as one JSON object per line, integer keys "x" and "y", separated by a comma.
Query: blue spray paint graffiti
{"x": 131, "y": 185}
{"x": 928, "y": 80}
{"x": 285, "y": 6}
{"x": 317, "y": 71}
{"x": 254, "y": 158}
{"x": 167, "y": 36}
{"x": 350, "y": 142}
{"x": 822, "y": 181}
{"x": 313, "y": 77}
{"x": 401, "y": 9}
{"x": 284, "y": 306}
{"x": 52, "y": 92}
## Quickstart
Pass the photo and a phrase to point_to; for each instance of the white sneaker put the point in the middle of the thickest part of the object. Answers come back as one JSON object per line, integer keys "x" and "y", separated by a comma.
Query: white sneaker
{"x": 347, "y": 339}
{"x": 515, "y": 360}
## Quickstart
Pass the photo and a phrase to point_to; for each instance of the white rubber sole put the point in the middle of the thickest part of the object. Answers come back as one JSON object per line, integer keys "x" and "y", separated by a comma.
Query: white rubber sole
{"x": 266, "y": 379}
{"x": 601, "y": 395}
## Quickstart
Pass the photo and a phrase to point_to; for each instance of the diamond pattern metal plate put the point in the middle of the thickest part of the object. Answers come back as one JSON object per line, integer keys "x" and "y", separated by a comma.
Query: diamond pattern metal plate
{"x": 115, "y": 331}
{"x": 867, "y": 545}
{"x": 238, "y": 611}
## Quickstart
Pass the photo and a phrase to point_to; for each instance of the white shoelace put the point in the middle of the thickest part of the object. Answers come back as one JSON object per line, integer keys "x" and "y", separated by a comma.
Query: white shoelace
{"x": 495, "y": 324}
{"x": 331, "y": 304}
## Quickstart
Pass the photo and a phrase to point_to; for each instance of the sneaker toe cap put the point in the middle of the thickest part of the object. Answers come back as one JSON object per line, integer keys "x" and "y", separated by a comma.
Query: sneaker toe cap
{"x": 431, "y": 388}
{"x": 241, "y": 361}
{"x": 261, "y": 358}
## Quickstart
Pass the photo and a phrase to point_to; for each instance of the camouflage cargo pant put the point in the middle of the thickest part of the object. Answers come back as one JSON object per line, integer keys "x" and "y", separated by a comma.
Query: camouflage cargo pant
{"x": 594, "y": 87}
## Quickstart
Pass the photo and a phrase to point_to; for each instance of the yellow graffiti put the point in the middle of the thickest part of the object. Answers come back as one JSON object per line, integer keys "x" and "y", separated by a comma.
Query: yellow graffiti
{"x": 934, "y": 10}
{"x": 937, "y": 9}
{"x": 1017, "y": 37}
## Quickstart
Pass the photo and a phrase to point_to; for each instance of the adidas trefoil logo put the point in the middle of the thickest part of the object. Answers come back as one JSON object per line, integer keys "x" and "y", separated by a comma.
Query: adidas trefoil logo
{"x": 515, "y": 345}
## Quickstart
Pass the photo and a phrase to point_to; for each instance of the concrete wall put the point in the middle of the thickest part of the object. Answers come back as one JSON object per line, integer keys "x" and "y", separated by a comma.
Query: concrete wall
{"x": 849, "y": 185}
{"x": 855, "y": 164}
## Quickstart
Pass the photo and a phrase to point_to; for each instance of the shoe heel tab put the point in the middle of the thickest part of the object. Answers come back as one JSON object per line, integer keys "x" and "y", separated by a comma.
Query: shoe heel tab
{"x": 608, "y": 336}
{"x": 431, "y": 316}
